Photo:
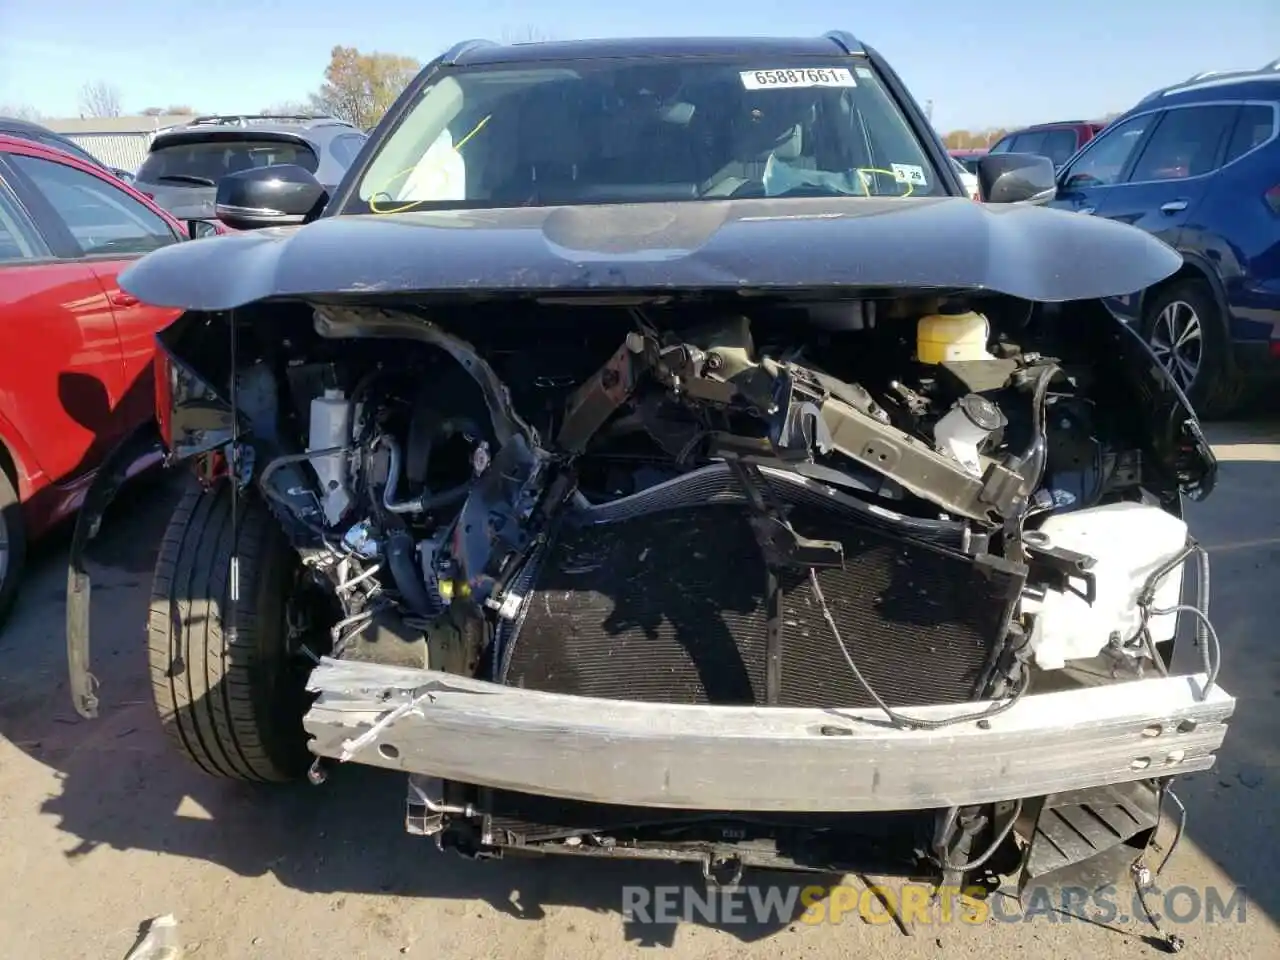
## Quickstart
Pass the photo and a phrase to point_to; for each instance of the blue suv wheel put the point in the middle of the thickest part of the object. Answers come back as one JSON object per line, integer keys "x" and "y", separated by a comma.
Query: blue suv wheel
{"x": 1197, "y": 165}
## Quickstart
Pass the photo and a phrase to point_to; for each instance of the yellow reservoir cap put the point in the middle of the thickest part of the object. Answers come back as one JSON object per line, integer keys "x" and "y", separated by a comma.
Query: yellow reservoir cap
{"x": 942, "y": 337}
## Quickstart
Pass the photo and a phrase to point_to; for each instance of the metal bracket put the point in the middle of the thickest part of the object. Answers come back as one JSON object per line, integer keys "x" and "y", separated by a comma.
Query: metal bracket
{"x": 1061, "y": 564}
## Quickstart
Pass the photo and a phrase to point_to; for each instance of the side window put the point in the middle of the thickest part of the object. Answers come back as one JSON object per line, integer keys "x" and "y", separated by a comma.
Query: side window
{"x": 1059, "y": 145}
{"x": 16, "y": 243}
{"x": 1102, "y": 163}
{"x": 346, "y": 147}
{"x": 1001, "y": 146}
{"x": 103, "y": 219}
{"x": 1255, "y": 126}
{"x": 1185, "y": 144}
{"x": 1027, "y": 142}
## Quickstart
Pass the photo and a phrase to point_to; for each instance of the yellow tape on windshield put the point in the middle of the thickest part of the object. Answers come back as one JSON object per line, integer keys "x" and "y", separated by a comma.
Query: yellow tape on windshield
{"x": 374, "y": 206}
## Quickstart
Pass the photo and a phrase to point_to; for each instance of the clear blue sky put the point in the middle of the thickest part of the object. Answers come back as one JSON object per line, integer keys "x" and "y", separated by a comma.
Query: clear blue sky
{"x": 998, "y": 62}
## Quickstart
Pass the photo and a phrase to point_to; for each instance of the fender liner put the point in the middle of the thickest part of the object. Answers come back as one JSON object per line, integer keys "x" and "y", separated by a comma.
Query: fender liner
{"x": 102, "y": 491}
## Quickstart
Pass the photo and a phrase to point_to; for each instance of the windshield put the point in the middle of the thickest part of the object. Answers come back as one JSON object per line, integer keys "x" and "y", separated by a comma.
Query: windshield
{"x": 206, "y": 162}
{"x": 622, "y": 130}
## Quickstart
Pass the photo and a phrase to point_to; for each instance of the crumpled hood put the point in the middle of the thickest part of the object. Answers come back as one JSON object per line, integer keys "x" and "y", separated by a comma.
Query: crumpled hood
{"x": 946, "y": 243}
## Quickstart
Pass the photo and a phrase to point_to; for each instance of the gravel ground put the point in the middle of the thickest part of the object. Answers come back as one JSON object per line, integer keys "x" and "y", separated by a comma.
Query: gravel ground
{"x": 102, "y": 827}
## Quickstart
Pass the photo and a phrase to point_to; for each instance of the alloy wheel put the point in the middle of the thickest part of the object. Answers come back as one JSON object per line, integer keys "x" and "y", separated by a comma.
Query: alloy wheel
{"x": 1177, "y": 340}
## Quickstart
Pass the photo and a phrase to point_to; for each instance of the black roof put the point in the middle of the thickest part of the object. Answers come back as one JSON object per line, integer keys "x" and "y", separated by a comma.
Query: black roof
{"x": 1050, "y": 124}
{"x": 485, "y": 52}
{"x": 21, "y": 126}
{"x": 27, "y": 130}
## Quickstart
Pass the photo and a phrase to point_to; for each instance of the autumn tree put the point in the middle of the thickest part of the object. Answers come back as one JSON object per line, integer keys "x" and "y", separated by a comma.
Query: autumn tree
{"x": 360, "y": 87}
{"x": 99, "y": 99}
{"x": 971, "y": 139}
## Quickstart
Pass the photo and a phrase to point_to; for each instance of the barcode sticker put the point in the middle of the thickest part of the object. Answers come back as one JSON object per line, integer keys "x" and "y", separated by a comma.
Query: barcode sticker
{"x": 798, "y": 77}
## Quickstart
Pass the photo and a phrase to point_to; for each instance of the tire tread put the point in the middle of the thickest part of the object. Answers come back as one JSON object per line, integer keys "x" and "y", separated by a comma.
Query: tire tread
{"x": 204, "y": 687}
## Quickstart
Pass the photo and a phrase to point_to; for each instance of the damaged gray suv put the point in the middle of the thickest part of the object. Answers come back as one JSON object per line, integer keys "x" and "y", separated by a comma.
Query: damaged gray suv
{"x": 651, "y": 451}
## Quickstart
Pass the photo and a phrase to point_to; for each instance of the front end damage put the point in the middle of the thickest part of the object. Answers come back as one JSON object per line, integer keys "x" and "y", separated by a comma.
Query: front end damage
{"x": 648, "y": 577}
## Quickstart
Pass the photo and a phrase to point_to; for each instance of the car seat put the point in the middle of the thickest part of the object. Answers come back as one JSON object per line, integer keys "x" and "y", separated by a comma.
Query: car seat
{"x": 548, "y": 147}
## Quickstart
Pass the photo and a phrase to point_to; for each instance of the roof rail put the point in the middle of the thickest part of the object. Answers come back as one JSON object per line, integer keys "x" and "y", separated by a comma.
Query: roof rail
{"x": 847, "y": 41}
{"x": 1219, "y": 75}
{"x": 244, "y": 119}
{"x": 458, "y": 49}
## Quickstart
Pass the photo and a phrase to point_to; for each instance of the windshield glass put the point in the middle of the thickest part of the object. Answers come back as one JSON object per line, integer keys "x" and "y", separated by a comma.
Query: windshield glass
{"x": 622, "y": 130}
{"x": 204, "y": 163}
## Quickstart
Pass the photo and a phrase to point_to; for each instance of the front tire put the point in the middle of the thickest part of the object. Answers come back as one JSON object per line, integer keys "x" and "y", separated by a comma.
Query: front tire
{"x": 1188, "y": 335}
{"x": 13, "y": 544}
{"x": 235, "y": 709}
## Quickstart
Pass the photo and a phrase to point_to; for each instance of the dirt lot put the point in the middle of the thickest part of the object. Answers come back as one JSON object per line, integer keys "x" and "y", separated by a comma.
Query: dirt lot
{"x": 102, "y": 827}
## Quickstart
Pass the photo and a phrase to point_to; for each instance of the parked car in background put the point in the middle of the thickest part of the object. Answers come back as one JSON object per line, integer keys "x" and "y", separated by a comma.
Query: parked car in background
{"x": 1198, "y": 165}
{"x": 184, "y": 164}
{"x": 967, "y": 177}
{"x": 1058, "y": 141}
{"x": 968, "y": 158}
{"x": 75, "y": 350}
{"x": 26, "y": 130}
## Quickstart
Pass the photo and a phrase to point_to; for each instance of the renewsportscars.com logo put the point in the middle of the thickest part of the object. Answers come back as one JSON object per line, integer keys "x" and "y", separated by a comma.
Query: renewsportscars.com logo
{"x": 916, "y": 903}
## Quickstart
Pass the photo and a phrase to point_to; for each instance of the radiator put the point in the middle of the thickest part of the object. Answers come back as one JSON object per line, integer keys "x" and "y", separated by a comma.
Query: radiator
{"x": 670, "y": 607}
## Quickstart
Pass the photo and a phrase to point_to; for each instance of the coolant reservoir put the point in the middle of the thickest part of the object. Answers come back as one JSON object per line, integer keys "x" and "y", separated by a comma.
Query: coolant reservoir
{"x": 942, "y": 337}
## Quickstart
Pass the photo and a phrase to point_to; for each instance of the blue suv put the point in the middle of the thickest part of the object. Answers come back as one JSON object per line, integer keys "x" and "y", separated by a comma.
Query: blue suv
{"x": 1198, "y": 165}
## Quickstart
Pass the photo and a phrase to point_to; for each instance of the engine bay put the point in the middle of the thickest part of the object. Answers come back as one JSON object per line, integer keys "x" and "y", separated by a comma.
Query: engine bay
{"x": 419, "y": 472}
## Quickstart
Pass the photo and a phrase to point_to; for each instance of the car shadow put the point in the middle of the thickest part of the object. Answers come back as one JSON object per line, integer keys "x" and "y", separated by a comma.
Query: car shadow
{"x": 124, "y": 788}
{"x": 1233, "y": 816}
{"x": 86, "y": 401}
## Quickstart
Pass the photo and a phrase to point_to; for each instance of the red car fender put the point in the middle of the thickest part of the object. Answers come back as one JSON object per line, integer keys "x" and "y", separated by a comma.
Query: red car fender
{"x": 30, "y": 477}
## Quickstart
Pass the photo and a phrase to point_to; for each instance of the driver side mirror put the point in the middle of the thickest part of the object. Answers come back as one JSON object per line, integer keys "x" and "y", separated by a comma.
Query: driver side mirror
{"x": 201, "y": 228}
{"x": 1016, "y": 178}
{"x": 269, "y": 197}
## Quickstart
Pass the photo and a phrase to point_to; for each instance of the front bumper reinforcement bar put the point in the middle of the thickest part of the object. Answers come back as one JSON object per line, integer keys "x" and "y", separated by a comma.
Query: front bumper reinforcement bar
{"x": 755, "y": 759}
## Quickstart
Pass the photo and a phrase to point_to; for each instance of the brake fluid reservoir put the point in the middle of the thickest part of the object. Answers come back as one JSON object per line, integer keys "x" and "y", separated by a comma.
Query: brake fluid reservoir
{"x": 942, "y": 337}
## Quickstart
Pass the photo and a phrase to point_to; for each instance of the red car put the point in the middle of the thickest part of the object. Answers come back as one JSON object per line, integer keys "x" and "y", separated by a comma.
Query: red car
{"x": 75, "y": 350}
{"x": 1058, "y": 141}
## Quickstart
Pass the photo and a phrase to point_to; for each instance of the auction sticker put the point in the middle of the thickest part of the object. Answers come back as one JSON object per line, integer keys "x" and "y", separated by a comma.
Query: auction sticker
{"x": 798, "y": 77}
{"x": 909, "y": 173}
